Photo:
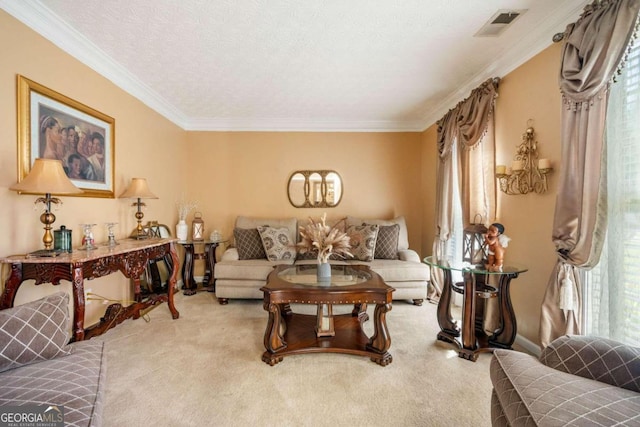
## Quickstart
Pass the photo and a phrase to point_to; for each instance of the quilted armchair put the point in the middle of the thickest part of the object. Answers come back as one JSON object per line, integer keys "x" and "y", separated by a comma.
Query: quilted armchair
{"x": 577, "y": 380}
{"x": 38, "y": 367}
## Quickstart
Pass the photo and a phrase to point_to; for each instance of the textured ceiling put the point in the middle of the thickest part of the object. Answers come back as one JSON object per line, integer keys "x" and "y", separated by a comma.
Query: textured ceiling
{"x": 296, "y": 64}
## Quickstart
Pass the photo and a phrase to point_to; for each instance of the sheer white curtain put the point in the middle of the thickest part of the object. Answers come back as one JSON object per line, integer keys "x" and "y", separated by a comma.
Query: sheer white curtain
{"x": 612, "y": 288}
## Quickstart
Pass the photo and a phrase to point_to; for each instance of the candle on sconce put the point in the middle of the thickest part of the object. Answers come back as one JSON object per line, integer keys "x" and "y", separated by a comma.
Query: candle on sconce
{"x": 517, "y": 165}
{"x": 501, "y": 169}
{"x": 544, "y": 164}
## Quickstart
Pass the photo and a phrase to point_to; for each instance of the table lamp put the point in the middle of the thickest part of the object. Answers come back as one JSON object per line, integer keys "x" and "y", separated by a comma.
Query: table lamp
{"x": 46, "y": 177}
{"x": 138, "y": 189}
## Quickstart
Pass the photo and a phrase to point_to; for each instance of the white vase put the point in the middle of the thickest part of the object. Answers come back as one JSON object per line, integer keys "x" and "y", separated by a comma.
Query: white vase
{"x": 324, "y": 272}
{"x": 182, "y": 230}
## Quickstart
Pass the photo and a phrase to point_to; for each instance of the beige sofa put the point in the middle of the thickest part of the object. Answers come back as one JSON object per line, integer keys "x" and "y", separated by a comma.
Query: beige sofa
{"x": 578, "y": 381}
{"x": 237, "y": 278}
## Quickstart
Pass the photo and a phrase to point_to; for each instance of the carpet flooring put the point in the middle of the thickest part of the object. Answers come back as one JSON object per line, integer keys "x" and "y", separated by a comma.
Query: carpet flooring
{"x": 205, "y": 369}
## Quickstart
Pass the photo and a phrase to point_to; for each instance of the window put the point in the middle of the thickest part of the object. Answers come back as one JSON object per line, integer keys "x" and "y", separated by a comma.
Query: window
{"x": 454, "y": 251}
{"x": 612, "y": 288}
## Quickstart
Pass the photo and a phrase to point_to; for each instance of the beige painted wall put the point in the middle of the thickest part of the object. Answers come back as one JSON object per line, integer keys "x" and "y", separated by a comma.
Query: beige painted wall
{"x": 147, "y": 145}
{"x": 428, "y": 190}
{"x": 246, "y": 173}
{"x": 530, "y": 92}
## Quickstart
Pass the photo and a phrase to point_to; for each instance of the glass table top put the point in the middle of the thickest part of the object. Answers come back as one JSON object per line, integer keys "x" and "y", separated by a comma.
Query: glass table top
{"x": 307, "y": 275}
{"x": 448, "y": 264}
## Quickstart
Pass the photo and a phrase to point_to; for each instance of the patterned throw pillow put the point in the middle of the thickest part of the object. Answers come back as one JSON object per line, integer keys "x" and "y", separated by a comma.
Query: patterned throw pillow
{"x": 307, "y": 255}
{"x": 276, "y": 243}
{"x": 363, "y": 241}
{"x": 35, "y": 331}
{"x": 248, "y": 243}
{"x": 387, "y": 242}
{"x": 314, "y": 255}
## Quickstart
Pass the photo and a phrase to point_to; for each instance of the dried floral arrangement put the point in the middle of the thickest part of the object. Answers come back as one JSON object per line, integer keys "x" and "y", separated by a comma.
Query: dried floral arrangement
{"x": 318, "y": 237}
{"x": 184, "y": 207}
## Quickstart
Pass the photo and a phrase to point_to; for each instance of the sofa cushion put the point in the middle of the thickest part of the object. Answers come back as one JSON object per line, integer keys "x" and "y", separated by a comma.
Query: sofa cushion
{"x": 35, "y": 331}
{"x": 403, "y": 236}
{"x": 399, "y": 271}
{"x": 76, "y": 381}
{"x": 387, "y": 242}
{"x": 251, "y": 269}
{"x": 248, "y": 243}
{"x": 532, "y": 393}
{"x": 276, "y": 243}
{"x": 250, "y": 222}
{"x": 363, "y": 241}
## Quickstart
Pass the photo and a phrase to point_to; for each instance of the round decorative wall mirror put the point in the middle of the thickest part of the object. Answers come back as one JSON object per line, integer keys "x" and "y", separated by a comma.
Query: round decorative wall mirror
{"x": 314, "y": 189}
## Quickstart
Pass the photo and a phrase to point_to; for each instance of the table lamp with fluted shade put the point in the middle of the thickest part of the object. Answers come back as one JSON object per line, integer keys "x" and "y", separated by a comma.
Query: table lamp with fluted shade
{"x": 46, "y": 177}
{"x": 138, "y": 189}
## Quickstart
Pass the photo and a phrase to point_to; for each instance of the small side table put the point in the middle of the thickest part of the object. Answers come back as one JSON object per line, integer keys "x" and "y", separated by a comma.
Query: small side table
{"x": 209, "y": 257}
{"x": 469, "y": 337}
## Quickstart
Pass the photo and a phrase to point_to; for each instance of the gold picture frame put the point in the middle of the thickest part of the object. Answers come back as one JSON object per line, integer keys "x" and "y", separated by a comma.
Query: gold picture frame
{"x": 52, "y": 125}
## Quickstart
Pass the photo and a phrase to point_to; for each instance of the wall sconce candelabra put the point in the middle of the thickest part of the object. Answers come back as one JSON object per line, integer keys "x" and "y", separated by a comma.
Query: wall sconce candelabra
{"x": 527, "y": 173}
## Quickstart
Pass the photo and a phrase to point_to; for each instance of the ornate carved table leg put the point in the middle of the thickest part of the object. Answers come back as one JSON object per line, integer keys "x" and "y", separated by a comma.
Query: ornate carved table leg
{"x": 449, "y": 328}
{"x": 137, "y": 296}
{"x": 172, "y": 281}
{"x": 11, "y": 286}
{"x": 380, "y": 341}
{"x": 273, "y": 340}
{"x": 506, "y": 333}
{"x": 469, "y": 344}
{"x": 207, "y": 268}
{"x": 78, "y": 302}
{"x": 211, "y": 262}
{"x": 187, "y": 270}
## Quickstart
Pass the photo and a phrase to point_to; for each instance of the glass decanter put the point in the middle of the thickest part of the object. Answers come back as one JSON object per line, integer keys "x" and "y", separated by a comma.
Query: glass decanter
{"x": 111, "y": 236}
{"x": 88, "y": 242}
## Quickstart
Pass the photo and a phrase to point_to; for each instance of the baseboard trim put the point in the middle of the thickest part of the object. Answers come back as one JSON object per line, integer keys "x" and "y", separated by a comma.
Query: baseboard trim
{"x": 528, "y": 345}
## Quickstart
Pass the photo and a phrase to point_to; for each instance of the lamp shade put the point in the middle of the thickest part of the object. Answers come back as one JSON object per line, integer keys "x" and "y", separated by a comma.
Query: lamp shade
{"x": 46, "y": 177}
{"x": 138, "y": 189}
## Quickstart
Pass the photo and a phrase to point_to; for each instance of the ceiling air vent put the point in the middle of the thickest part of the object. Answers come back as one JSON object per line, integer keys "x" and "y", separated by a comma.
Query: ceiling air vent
{"x": 499, "y": 22}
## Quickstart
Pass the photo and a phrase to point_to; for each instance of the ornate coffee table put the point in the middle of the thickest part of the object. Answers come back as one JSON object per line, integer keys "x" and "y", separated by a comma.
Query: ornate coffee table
{"x": 290, "y": 333}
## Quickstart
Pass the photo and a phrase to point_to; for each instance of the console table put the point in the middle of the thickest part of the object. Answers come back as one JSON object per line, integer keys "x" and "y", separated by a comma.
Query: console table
{"x": 470, "y": 337}
{"x": 130, "y": 257}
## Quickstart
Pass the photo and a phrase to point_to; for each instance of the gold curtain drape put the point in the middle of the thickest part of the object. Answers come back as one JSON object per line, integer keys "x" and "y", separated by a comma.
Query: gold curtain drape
{"x": 470, "y": 124}
{"x": 594, "y": 47}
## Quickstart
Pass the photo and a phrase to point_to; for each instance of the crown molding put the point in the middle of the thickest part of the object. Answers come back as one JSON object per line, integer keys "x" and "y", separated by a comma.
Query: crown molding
{"x": 298, "y": 125}
{"x": 517, "y": 55}
{"x": 46, "y": 23}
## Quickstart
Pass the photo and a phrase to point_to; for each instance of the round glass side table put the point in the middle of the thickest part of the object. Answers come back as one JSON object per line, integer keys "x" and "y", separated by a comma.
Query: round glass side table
{"x": 208, "y": 255}
{"x": 478, "y": 285}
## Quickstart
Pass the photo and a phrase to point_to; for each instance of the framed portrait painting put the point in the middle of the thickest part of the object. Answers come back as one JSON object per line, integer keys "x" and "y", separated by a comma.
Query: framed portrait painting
{"x": 53, "y": 126}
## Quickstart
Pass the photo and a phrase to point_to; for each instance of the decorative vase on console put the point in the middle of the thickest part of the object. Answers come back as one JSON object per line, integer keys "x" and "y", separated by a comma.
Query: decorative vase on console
{"x": 182, "y": 230}
{"x": 184, "y": 207}
{"x": 318, "y": 237}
